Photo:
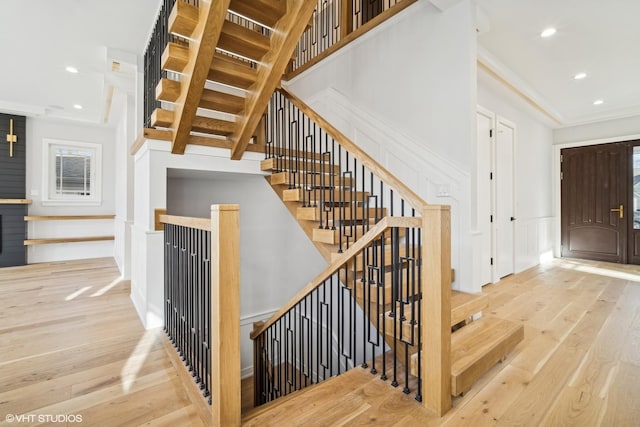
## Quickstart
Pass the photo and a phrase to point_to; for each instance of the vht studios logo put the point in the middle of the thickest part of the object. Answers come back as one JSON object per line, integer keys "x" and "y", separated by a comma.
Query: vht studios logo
{"x": 43, "y": 418}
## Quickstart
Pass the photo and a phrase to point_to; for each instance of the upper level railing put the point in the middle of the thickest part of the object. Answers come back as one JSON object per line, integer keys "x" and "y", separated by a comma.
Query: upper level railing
{"x": 158, "y": 40}
{"x": 202, "y": 304}
{"x": 337, "y": 22}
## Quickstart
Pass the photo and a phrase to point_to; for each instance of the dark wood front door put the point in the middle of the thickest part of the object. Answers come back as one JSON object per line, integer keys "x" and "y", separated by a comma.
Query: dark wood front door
{"x": 594, "y": 191}
{"x": 633, "y": 203}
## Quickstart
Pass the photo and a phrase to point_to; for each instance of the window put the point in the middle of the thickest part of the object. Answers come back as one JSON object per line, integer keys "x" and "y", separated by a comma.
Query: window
{"x": 71, "y": 173}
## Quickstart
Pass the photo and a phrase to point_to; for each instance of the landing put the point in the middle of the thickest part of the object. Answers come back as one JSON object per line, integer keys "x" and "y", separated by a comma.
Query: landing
{"x": 353, "y": 398}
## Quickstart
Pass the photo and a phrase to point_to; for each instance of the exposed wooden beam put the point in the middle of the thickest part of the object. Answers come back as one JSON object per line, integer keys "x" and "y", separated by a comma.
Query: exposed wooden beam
{"x": 201, "y": 49}
{"x": 284, "y": 38}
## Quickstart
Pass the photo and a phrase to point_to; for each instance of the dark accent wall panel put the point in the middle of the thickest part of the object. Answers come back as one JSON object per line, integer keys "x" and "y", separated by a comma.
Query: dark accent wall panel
{"x": 12, "y": 169}
{"x": 12, "y": 186}
{"x": 12, "y": 235}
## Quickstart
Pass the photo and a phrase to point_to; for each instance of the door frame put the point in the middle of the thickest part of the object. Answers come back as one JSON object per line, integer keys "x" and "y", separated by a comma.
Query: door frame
{"x": 557, "y": 193}
{"x": 492, "y": 144}
{"x": 502, "y": 120}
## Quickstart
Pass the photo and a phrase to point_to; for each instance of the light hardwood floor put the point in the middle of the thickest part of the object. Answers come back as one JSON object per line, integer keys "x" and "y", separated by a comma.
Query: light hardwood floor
{"x": 71, "y": 343}
{"x": 579, "y": 364}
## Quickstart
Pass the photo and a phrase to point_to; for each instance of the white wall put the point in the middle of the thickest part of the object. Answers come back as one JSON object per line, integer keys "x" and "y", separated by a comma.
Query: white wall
{"x": 276, "y": 256}
{"x": 123, "y": 110}
{"x": 151, "y": 165}
{"x": 532, "y": 168}
{"x": 406, "y": 93}
{"x": 37, "y": 130}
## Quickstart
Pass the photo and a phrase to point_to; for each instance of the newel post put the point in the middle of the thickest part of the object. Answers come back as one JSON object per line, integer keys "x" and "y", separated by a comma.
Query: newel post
{"x": 436, "y": 308}
{"x": 225, "y": 315}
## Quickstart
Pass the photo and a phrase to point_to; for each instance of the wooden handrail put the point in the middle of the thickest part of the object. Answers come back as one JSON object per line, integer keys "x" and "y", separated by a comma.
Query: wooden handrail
{"x": 355, "y": 249}
{"x": 414, "y": 200}
{"x": 185, "y": 221}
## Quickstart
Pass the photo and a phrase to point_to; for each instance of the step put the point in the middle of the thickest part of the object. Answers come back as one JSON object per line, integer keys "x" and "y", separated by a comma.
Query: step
{"x": 281, "y": 152}
{"x": 168, "y": 90}
{"x": 310, "y": 178}
{"x": 213, "y": 126}
{"x": 175, "y": 57}
{"x": 231, "y": 71}
{"x": 340, "y": 214}
{"x": 243, "y": 42}
{"x": 220, "y": 101}
{"x": 265, "y": 12}
{"x": 351, "y": 233}
{"x": 298, "y": 165}
{"x": 161, "y": 118}
{"x": 183, "y": 19}
{"x": 476, "y": 348}
{"x": 358, "y": 259}
{"x": 336, "y": 195}
{"x": 463, "y": 306}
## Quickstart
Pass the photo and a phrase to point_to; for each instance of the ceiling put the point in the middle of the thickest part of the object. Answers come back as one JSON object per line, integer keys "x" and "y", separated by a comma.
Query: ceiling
{"x": 40, "y": 38}
{"x": 598, "y": 37}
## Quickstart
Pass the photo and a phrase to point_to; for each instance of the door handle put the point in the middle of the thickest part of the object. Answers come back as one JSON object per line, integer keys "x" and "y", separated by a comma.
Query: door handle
{"x": 620, "y": 211}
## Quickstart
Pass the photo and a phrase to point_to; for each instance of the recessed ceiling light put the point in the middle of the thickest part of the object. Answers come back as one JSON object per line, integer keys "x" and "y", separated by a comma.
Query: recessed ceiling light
{"x": 580, "y": 76}
{"x": 548, "y": 32}
{"x": 77, "y": 106}
{"x": 72, "y": 70}
{"x": 598, "y": 102}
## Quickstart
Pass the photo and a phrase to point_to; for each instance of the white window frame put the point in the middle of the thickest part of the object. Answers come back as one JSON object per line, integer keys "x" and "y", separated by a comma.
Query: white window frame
{"x": 49, "y": 198}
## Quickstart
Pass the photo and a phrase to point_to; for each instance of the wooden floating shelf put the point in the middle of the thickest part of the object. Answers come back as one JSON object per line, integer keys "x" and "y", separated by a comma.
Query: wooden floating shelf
{"x": 32, "y": 242}
{"x": 66, "y": 217}
{"x": 15, "y": 201}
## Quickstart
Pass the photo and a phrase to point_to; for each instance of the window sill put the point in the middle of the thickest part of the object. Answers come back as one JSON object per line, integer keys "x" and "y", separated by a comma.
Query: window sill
{"x": 71, "y": 202}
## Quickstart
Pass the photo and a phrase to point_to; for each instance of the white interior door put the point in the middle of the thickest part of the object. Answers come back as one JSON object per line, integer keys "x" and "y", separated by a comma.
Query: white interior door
{"x": 485, "y": 123}
{"x": 504, "y": 218}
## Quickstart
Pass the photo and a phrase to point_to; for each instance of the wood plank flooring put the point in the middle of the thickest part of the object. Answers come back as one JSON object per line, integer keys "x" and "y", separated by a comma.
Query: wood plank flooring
{"x": 71, "y": 344}
{"x": 579, "y": 364}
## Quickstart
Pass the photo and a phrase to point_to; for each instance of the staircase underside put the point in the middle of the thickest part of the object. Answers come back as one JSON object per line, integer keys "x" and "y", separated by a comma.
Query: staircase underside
{"x": 228, "y": 58}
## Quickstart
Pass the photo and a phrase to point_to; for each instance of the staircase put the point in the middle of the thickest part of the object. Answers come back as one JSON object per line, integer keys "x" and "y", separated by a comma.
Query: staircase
{"x": 225, "y": 60}
{"x": 385, "y": 298}
{"x": 338, "y": 195}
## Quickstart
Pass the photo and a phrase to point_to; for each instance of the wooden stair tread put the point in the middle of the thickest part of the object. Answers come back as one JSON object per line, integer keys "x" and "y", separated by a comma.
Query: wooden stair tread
{"x": 299, "y": 178}
{"x": 243, "y": 41}
{"x": 220, "y": 101}
{"x": 300, "y": 165}
{"x": 231, "y": 71}
{"x": 162, "y": 118}
{"x": 175, "y": 57}
{"x": 266, "y": 12}
{"x": 316, "y": 195}
{"x": 340, "y": 214}
{"x": 168, "y": 90}
{"x": 183, "y": 19}
{"x": 358, "y": 259}
{"x": 476, "y": 347}
{"x": 213, "y": 126}
{"x": 352, "y": 233}
{"x": 465, "y": 305}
